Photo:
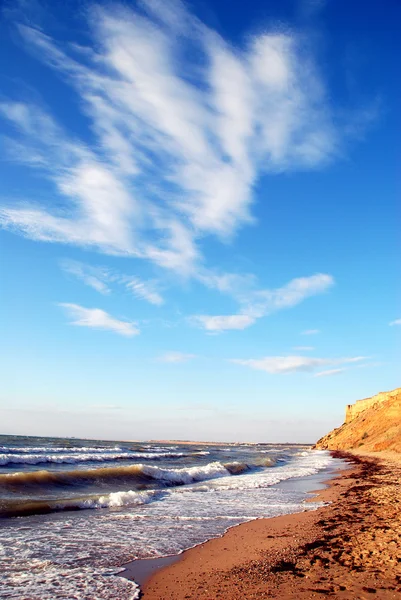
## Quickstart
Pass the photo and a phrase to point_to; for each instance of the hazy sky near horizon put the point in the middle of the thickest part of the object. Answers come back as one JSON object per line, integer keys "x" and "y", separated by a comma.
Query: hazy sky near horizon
{"x": 199, "y": 224}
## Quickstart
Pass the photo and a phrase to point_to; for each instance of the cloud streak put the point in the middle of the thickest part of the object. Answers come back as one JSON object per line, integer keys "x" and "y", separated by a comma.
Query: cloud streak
{"x": 93, "y": 277}
{"x": 220, "y": 323}
{"x": 293, "y": 364}
{"x": 184, "y": 125}
{"x": 304, "y": 348}
{"x": 97, "y": 318}
{"x": 176, "y": 357}
{"x": 260, "y": 303}
{"x": 142, "y": 289}
{"x": 102, "y": 280}
{"x": 330, "y": 372}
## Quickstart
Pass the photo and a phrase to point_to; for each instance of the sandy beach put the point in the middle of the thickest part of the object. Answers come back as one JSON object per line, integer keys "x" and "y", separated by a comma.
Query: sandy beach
{"x": 350, "y": 548}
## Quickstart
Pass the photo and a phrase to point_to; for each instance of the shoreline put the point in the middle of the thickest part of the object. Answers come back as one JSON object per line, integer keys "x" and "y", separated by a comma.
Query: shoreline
{"x": 300, "y": 555}
{"x": 142, "y": 570}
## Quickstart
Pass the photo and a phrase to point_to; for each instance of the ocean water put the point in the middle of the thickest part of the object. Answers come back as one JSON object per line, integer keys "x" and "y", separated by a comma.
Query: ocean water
{"x": 72, "y": 512}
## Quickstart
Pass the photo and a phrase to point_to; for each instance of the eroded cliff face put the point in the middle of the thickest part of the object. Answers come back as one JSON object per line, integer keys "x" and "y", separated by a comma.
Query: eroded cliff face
{"x": 372, "y": 424}
{"x": 353, "y": 410}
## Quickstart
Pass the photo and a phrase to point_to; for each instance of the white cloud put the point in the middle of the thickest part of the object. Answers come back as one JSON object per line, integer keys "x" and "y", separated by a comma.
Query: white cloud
{"x": 176, "y": 357}
{"x": 222, "y": 322}
{"x": 282, "y": 364}
{"x": 233, "y": 284}
{"x": 396, "y": 322}
{"x": 101, "y": 279}
{"x": 264, "y": 302}
{"x": 329, "y": 372}
{"x": 142, "y": 289}
{"x": 98, "y": 319}
{"x": 259, "y": 303}
{"x": 304, "y": 348}
{"x": 184, "y": 125}
{"x": 310, "y": 332}
{"x": 92, "y": 276}
{"x": 291, "y": 364}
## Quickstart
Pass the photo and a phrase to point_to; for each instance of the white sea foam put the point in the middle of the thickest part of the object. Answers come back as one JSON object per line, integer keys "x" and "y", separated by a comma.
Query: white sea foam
{"x": 43, "y": 580}
{"x": 216, "y": 476}
{"x": 159, "y": 448}
{"x": 174, "y": 476}
{"x": 302, "y": 465}
{"x": 188, "y": 474}
{"x": 117, "y": 499}
{"x": 75, "y": 458}
{"x": 55, "y": 449}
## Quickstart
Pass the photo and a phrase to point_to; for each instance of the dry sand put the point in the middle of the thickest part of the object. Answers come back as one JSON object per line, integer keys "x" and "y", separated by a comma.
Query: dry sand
{"x": 348, "y": 549}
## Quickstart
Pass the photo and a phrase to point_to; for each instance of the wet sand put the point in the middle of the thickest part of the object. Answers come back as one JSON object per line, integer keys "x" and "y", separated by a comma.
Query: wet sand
{"x": 348, "y": 549}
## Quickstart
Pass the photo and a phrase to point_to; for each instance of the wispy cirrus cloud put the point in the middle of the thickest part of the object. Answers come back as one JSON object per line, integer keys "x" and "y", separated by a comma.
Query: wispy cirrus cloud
{"x": 310, "y": 332}
{"x": 292, "y": 364}
{"x": 184, "y": 125}
{"x": 304, "y": 348}
{"x": 264, "y": 302}
{"x": 330, "y": 372}
{"x": 396, "y": 322}
{"x": 219, "y": 323}
{"x": 97, "y": 318}
{"x": 176, "y": 357}
{"x": 94, "y": 277}
{"x": 102, "y": 280}
{"x": 142, "y": 289}
{"x": 260, "y": 303}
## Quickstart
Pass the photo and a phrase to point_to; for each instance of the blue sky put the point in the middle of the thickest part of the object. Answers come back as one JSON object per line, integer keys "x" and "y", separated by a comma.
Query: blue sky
{"x": 198, "y": 216}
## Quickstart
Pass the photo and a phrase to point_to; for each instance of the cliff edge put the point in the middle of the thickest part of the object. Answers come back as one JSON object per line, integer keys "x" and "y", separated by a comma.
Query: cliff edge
{"x": 372, "y": 424}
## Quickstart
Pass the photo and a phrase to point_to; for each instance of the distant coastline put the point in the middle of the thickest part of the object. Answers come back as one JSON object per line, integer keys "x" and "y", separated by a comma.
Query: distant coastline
{"x": 198, "y": 443}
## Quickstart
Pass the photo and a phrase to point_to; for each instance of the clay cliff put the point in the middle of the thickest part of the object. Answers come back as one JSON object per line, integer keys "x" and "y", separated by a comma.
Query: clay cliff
{"x": 372, "y": 424}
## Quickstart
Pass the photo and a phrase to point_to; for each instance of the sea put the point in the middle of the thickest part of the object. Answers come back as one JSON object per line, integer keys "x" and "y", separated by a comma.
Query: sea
{"x": 74, "y": 512}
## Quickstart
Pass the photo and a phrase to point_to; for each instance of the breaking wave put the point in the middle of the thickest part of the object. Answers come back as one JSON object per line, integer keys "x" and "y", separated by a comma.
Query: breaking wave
{"x": 167, "y": 477}
{"x": 21, "y": 508}
{"x": 132, "y": 475}
{"x": 129, "y": 474}
{"x": 50, "y": 449}
{"x": 75, "y": 458}
{"x": 216, "y": 475}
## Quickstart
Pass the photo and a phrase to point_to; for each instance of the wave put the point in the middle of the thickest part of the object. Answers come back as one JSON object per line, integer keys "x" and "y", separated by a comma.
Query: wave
{"x": 157, "y": 448}
{"x": 266, "y": 462}
{"x": 133, "y": 474}
{"x": 182, "y": 476}
{"x": 118, "y": 499}
{"x": 71, "y": 458}
{"x": 49, "y": 449}
{"x": 220, "y": 476}
{"x": 25, "y": 481}
{"x": 22, "y": 508}
{"x": 94, "y": 449}
{"x": 192, "y": 474}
